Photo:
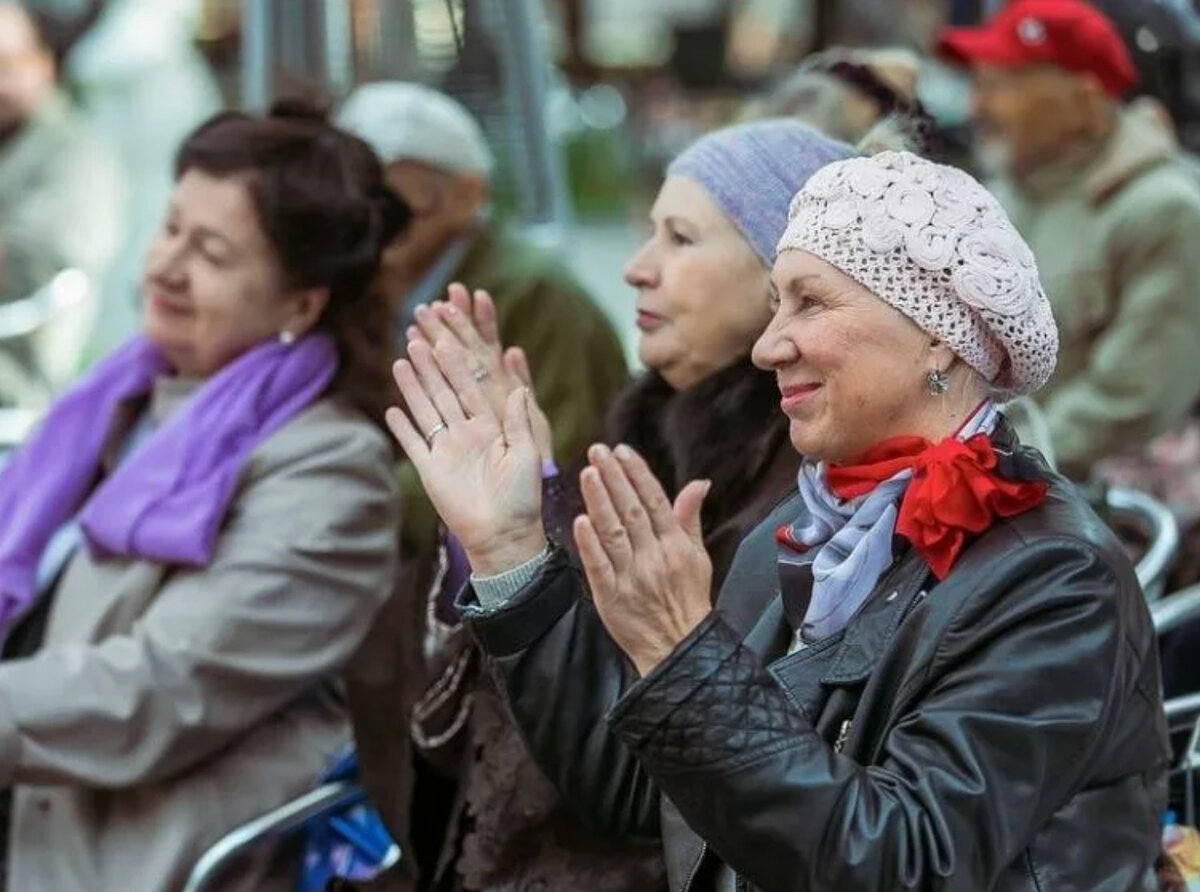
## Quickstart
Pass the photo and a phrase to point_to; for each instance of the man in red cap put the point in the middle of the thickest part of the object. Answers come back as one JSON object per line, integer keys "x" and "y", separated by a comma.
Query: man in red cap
{"x": 1112, "y": 216}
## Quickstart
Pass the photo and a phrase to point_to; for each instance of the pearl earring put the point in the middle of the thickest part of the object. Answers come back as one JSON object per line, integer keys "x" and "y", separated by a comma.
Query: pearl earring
{"x": 287, "y": 338}
{"x": 936, "y": 382}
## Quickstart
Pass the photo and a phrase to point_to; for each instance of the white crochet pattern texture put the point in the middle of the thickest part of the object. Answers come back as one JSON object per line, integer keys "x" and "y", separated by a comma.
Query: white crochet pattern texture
{"x": 932, "y": 242}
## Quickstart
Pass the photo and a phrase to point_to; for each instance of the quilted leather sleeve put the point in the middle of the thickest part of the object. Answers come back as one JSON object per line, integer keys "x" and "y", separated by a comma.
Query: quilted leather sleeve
{"x": 710, "y": 675}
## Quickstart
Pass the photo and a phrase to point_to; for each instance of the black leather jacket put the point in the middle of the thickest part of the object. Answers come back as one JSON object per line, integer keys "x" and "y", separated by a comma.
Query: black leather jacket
{"x": 1000, "y": 730}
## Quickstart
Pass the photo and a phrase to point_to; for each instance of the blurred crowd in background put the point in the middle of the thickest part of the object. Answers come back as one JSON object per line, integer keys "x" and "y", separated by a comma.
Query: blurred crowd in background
{"x": 629, "y": 85}
{"x": 531, "y": 154}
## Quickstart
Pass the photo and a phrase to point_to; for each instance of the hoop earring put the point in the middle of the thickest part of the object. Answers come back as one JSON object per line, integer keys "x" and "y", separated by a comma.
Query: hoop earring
{"x": 936, "y": 382}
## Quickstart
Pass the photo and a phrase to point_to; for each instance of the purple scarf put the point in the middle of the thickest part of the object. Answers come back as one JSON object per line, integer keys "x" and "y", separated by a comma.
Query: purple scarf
{"x": 168, "y": 500}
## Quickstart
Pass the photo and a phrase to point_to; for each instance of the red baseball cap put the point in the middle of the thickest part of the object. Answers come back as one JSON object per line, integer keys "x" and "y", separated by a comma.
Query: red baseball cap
{"x": 1068, "y": 33}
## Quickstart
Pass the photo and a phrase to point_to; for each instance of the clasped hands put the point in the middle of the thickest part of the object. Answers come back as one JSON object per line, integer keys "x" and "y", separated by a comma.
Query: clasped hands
{"x": 479, "y": 442}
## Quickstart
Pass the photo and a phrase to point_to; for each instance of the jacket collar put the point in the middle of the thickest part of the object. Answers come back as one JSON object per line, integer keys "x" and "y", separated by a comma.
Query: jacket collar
{"x": 900, "y": 589}
{"x": 451, "y": 264}
{"x": 1138, "y": 144}
{"x": 1101, "y": 168}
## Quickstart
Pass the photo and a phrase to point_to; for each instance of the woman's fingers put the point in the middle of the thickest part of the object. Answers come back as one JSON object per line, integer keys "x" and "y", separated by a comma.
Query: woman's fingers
{"x": 628, "y": 504}
{"x": 518, "y": 424}
{"x": 430, "y": 324}
{"x": 452, "y": 360}
{"x": 601, "y": 577}
{"x": 648, "y": 489}
{"x": 610, "y": 531}
{"x": 486, "y": 319}
{"x": 458, "y": 295}
{"x": 434, "y": 383}
{"x": 420, "y": 406}
{"x": 517, "y": 365}
{"x": 463, "y": 327}
{"x": 687, "y": 507}
{"x": 409, "y": 438}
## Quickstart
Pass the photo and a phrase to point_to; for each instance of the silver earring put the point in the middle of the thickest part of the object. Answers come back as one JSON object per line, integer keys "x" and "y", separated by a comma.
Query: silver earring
{"x": 936, "y": 382}
{"x": 287, "y": 338}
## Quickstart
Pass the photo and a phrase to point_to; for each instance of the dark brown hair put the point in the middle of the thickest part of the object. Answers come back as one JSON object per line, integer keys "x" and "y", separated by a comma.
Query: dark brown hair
{"x": 323, "y": 202}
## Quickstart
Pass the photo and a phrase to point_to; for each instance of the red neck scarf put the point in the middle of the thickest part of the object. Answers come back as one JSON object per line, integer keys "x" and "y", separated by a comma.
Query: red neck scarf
{"x": 955, "y": 492}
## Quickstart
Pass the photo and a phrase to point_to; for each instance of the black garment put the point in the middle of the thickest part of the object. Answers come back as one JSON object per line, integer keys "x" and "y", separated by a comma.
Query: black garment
{"x": 999, "y": 730}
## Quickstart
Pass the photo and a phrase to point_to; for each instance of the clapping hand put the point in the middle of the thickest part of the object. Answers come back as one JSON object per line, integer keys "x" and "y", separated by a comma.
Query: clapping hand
{"x": 645, "y": 560}
{"x": 472, "y": 323}
{"x": 481, "y": 470}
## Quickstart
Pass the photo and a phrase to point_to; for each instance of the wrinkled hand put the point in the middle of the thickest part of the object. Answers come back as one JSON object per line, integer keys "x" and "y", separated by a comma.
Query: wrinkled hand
{"x": 645, "y": 560}
{"x": 482, "y": 473}
{"x": 471, "y": 322}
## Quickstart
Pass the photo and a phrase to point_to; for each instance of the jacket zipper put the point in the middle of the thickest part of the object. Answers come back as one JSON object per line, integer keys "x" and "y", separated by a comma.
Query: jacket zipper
{"x": 912, "y": 605}
{"x": 696, "y": 867}
{"x": 843, "y": 733}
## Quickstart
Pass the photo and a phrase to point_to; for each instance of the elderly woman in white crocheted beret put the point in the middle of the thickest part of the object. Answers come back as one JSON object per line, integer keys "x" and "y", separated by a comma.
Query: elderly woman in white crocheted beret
{"x": 931, "y": 668}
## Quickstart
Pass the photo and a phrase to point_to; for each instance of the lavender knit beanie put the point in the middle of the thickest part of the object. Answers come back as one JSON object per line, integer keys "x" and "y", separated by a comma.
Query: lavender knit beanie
{"x": 752, "y": 171}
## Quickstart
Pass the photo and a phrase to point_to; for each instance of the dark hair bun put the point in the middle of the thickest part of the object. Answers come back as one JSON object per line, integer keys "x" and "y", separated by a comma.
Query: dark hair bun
{"x": 299, "y": 108}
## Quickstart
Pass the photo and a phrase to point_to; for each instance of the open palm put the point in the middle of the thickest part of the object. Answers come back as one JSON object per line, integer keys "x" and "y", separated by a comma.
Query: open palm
{"x": 482, "y": 472}
{"x": 471, "y": 320}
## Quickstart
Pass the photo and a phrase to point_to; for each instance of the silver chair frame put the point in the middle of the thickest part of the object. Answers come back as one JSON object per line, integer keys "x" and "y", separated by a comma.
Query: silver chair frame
{"x": 21, "y": 320}
{"x": 275, "y": 826}
{"x": 1162, "y": 530}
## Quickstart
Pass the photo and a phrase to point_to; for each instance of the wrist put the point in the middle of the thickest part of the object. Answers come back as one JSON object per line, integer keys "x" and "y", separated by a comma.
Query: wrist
{"x": 494, "y": 558}
{"x": 653, "y": 650}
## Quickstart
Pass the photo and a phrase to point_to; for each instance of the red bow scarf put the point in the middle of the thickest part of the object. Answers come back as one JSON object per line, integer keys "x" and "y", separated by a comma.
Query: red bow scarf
{"x": 954, "y": 492}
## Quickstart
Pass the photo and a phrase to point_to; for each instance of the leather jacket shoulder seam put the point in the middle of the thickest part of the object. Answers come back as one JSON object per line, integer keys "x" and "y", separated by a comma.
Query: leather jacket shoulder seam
{"x": 939, "y": 656}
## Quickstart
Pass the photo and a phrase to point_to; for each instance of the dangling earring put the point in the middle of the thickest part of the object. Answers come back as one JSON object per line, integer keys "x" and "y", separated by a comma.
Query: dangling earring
{"x": 936, "y": 382}
{"x": 287, "y": 338}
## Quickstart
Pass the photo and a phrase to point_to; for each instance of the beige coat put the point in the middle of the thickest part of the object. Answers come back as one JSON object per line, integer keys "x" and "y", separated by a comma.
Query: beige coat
{"x": 1116, "y": 234}
{"x": 168, "y": 706}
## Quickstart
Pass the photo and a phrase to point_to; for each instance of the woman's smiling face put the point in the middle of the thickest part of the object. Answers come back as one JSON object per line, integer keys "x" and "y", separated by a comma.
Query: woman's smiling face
{"x": 851, "y": 368}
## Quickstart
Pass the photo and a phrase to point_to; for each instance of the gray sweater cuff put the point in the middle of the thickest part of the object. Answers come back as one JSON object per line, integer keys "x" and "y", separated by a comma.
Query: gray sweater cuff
{"x": 494, "y": 592}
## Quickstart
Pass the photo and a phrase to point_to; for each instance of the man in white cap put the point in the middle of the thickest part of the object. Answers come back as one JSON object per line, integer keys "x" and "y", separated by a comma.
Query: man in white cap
{"x": 437, "y": 158}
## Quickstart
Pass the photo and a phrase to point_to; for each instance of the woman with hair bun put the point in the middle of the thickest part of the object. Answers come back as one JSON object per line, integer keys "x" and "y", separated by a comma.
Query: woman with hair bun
{"x": 198, "y": 535}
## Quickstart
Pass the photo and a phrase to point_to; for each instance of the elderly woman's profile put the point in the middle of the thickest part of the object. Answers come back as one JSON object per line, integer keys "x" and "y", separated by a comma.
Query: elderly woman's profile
{"x": 931, "y": 667}
{"x": 197, "y": 536}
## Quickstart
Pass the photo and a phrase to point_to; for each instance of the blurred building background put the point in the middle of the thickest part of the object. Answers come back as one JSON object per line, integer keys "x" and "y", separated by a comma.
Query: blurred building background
{"x": 583, "y": 100}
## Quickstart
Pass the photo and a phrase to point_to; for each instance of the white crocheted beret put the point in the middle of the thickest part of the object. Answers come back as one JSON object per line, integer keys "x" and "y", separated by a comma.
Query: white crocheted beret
{"x": 932, "y": 242}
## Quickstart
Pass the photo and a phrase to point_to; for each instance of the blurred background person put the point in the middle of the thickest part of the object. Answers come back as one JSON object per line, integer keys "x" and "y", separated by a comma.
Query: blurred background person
{"x": 1111, "y": 213}
{"x": 200, "y": 532}
{"x": 143, "y": 86}
{"x": 850, "y": 93}
{"x": 61, "y": 191}
{"x": 438, "y": 160}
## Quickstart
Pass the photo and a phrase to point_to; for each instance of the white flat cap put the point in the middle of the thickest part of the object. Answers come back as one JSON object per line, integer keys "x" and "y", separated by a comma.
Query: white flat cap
{"x": 404, "y": 121}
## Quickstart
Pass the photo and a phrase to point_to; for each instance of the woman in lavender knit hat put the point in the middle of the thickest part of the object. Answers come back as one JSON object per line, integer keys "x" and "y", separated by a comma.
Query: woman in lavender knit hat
{"x": 701, "y": 410}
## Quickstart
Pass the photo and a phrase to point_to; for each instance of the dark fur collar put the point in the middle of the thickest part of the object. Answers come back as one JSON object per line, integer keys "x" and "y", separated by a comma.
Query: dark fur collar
{"x": 728, "y": 429}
